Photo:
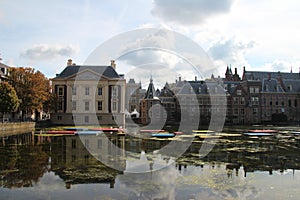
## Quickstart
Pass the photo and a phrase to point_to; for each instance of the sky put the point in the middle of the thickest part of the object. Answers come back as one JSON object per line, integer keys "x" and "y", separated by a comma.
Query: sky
{"x": 257, "y": 34}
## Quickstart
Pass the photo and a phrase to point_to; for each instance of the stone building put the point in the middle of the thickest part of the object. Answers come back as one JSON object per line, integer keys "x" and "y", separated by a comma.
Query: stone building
{"x": 150, "y": 106}
{"x": 89, "y": 95}
{"x": 258, "y": 97}
{"x": 272, "y": 96}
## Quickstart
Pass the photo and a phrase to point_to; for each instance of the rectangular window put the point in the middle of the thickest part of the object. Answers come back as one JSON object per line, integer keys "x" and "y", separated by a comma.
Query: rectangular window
{"x": 242, "y": 111}
{"x": 114, "y": 91}
{"x": 255, "y": 111}
{"x": 256, "y": 90}
{"x": 100, "y": 91}
{"x": 254, "y": 100}
{"x": 87, "y": 91}
{"x": 74, "y": 90}
{"x": 59, "y": 117}
{"x": 73, "y": 105}
{"x": 100, "y": 105}
{"x": 251, "y": 90}
{"x": 235, "y": 100}
{"x": 239, "y": 92}
{"x": 114, "y": 107}
{"x": 242, "y": 100}
{"x": 236, "y": 111}
{"x": 86, "y": 119}
{"x": 99, "y": 117}
{"x": 295, "y": 103}
{"x": 87, "y": 106}
{"x": 60, "y": 91}
{"x": 60, "y": 105}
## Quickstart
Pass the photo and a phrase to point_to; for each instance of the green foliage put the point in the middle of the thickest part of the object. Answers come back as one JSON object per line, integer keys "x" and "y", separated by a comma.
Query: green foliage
{"x": 32, "y": 87}
{"x": 9, "y": 100}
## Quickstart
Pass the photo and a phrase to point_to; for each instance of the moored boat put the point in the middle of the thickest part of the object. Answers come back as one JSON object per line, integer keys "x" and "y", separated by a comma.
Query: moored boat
{"x": 263, "y": 131}
{"x": 203, "y": 131}
{"x": 88, "y": 132}
{"x": 107, "y": 129}
{"x": 257, "y": 134}
{"x": 60, "y": 132}
{"x": 163, "y": 135}
{"x": 152, "y": 131}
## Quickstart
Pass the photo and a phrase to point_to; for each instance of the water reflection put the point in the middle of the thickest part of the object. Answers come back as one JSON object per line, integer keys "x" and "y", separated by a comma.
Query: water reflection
{"x": 230, "y": 170}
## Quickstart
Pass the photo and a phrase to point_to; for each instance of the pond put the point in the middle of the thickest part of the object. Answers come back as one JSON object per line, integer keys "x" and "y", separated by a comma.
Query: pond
{"x": 127, "y": 167}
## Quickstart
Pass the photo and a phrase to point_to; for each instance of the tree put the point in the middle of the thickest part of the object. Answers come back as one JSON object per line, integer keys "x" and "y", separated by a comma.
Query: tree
{"x": 9, "y": 100}
{"x": 31, "y": 86}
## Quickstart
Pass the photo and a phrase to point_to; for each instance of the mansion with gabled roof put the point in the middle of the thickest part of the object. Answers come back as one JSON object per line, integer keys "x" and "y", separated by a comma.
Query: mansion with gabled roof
{"x": 89, "y": 95}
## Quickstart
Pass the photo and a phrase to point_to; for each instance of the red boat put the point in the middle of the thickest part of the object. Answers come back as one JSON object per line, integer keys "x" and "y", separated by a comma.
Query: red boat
{"x": 107, "y": 129}
{"x": 152, "y": 131}
{"x": 263, "y": 131}
{"x": 60, "y": 132}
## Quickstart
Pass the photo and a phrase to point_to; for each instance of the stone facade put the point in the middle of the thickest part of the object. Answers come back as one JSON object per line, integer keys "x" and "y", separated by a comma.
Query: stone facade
{"x": 257, "y": 98}
{"x": 89, "y": 95}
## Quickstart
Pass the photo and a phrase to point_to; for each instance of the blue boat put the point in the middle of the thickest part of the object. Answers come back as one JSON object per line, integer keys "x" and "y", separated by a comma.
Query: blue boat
{"x": 257, "y": 134}
{"x": 75, "y": 129}
{"x": 88, "y": 132}
{"x": 163, "y": 135}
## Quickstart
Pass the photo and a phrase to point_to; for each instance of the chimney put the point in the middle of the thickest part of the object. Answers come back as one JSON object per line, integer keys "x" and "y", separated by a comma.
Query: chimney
{"x": 113, "y": 64}
{"x": 235, "y": 71}
{"x": 195, "y": 78}
{"x": 69, "y": 63}
{"x": 180, "y": 77}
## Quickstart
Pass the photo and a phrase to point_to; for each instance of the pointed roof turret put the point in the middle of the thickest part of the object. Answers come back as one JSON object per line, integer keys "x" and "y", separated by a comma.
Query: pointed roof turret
{"x": 150, "y": 94}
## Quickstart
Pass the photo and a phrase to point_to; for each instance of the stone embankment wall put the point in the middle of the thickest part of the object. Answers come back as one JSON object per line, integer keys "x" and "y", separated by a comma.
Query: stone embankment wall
{"x": 7, "y": 129}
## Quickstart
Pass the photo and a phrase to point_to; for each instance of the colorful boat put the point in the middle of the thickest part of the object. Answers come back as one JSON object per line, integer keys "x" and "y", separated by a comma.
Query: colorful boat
{"x": 163, "y": 135}
{"x": 295, "y": 132}
{"x": 178, "y": 133}
{"x": 152, "y": 131}
{"x": 88, "y": 132}
{"x": 203, "y": 131}
{"x": 257, "y": 134}
{"x": 263, "y": 131}
{"x": 60, "y": 132}
{"x": 107, "y": 129}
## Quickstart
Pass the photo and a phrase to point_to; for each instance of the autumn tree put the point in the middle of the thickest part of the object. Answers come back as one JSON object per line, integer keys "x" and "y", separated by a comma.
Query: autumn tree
{"x": 32, "y": 87}
{"x": 9, "y": 100}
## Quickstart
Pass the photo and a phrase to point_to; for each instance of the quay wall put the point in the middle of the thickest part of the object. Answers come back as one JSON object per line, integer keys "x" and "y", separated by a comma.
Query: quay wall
{"x": 7, "y": 129}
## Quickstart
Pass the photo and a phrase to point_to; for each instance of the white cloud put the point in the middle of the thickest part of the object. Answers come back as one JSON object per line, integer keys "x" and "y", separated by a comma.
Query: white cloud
{"x": 281, "y": 65}
{"x": 189, "y": 12}
{"x": 230, "y": 51}
{"x": 49, "y": 52}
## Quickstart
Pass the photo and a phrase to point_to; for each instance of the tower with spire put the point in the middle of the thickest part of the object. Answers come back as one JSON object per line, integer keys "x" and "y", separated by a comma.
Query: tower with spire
{"x": 149, "y": 100}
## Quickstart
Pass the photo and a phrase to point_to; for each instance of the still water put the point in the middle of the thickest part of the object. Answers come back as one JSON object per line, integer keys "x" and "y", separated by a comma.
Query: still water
{"x": 66, "y": 167}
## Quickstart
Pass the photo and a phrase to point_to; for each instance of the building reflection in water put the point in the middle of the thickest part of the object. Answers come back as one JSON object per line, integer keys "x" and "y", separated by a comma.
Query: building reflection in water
{"x": 25, "y": 158}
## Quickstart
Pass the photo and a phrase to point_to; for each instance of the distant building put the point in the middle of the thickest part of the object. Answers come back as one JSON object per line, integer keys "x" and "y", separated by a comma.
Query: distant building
{"x": 134, "y": 94}
{"x": 3, "y": 72}
{"x": 148, "y": 111}
{"x": 272, "y": 96}
{"x": 257, "y": 98}
{"x": 89, "y": 95}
